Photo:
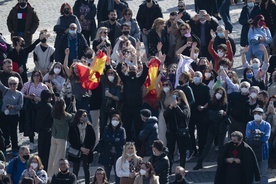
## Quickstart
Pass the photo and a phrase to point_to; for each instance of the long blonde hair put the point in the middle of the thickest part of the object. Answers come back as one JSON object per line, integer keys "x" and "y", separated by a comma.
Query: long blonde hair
{"x": 134, "y": 156}
{"x": 99, "y": 31}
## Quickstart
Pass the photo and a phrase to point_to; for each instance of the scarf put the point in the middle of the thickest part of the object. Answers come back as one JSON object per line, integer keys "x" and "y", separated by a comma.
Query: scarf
{"x": 82, "y": 130}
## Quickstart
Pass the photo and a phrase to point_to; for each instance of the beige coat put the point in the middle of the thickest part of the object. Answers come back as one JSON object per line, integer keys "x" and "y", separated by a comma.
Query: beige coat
{"x": 153, "y": 180}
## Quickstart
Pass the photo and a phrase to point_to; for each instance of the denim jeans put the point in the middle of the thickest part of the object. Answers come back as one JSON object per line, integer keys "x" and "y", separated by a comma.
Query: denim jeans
{"x": 146, "y": 43}
{"x": 225, "y": 15}
{"x": 263, "y": 165}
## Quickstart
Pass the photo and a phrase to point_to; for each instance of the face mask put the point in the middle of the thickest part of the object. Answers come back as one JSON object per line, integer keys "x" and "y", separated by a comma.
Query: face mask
{"x": 187, "y": 35}
{"x": 181, "y": 10}
{"x": 143, "y": 172}
{"x": 89, "y": 55}
{"x": 220, "y": 54}
{"x": 125, "y": 33}
{"x": 153, "y": 152}
{"x": 255, "y": 65}
{"x": 148, "y": 1}
{"x": 22, "y": 45}
{"x": 72, "y": 32}
{"x": 66, "y": 11}
{"x": 84, "y": 119}
{"x": 180, "y": 83}
{"x": 7, "y": 111}
{"x": 250, "y": 4}
{"x": 202, "y": 67}
{"x": 172, "y": 76}
{"x": 34, "y": 165}
{"x": 195, "y": 55}
{"x": 166, "y": 89}
{"x": 207, "y": 75}
{"x": 218, "y": 96}
{"x": 261, "y": 24}
{"x": 244, "y": 90}
{"x": 260, "y": 103}
{"x": 110, "y": 78}
{"x": 26, "y": 157}
{"x": 253, "y": 95}
{"x": 235, "y": 144}
{"x": 178, "y": 176}
{"x": 2, "y": 171}
{"x": 65, "y": 171}
{"x": 130, "y": 154}
{"x": 257, "y": 117}
{"x": 221, "y": 34}
{"x": 57, "y": 70}
{"x": 103, "y": 38}
{"x": 249, "y": 75}
{"x": 196, "y": 80}
{"x": 132, "y": 74}
{"x": 43, "y": 40}
{"x": 22, "y": 4}
{"x": 115, "y": 123}
{"x": 112, "y": 19}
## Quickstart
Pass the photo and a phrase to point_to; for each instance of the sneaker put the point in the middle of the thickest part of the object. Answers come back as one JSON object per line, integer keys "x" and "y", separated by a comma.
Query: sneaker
{"x": 216, "y": 148}
{"x": 198, "y": 166}
{"x": 190, "y": 155}
{"x": 31, "y": 146}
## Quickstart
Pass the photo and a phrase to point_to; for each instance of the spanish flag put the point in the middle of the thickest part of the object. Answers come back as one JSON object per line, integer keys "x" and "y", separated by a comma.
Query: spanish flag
{"x": 90, "y": 77}
{"x": 150, "y": 83}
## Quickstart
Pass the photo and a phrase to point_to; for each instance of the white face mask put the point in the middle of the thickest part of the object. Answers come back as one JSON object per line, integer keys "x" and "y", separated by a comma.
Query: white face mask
{"x": 143, "y": 172}
{"x": 57, "y": 70}
{"x": 253, "y": 95}
{"x": 195, "y": 55}
{"x": 218, "y": 96}
{"x": 244, "y": 90}
{"x": 72, "y": 32}
{"x": 220, "y": 54}
{"x": 130, "y": 154}
{"x": 34, "y": 165}
{"x": 257, "y": 117}
{"x": 207, "y": 74}
{"x": 103, "y": 38}
{"x": 166, "y": 89}
{"x": 2, "y": 171}
{"x": 196, "y": 80}
{"x": 111, "y": 78}
{"x": 255, "y": 65}
{"x": 115, "y": 123}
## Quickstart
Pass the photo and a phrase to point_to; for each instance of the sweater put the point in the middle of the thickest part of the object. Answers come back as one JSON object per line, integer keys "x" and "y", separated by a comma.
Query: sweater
{"x": 43, "y": 58}
{"x": 60, "y": 127}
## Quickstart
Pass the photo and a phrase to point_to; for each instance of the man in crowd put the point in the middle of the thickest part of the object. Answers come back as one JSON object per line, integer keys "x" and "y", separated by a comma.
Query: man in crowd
{"x": 180, "y": 176}
{"x": 64, "y": 176}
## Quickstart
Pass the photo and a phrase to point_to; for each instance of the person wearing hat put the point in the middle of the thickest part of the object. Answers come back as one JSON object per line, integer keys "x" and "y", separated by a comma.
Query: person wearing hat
{"x": 257, "y": 134}
{"x": 149, "y": 132}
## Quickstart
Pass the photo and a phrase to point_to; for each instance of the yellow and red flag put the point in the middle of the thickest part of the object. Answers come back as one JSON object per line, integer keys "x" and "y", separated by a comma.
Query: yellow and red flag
{"x": 90, "y": 77}
{"x": 150, "y": 83}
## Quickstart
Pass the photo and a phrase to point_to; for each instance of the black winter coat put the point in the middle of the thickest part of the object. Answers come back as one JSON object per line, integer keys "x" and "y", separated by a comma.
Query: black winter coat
{"x": 44, "y": 119}
{"x": 89, "y": 141}
{"x": 154, "y": 39}
{"x": 107, "y": 158}
{"x": 161, "y": 165}
{"x": 149, "y": 134}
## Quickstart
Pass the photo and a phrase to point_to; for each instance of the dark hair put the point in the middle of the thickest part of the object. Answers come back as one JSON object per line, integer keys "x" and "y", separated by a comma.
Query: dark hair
{"x": 63, "y": 7}
{"x": 43, "y": 31}
{"x": 245, "y": 71}
{"x": 62, "y": 72}
{"x": 256, "y": 20}
{"x": 105, "y": 181}
{"x": 264, "y": 93}
{"x": 40, "y": 75}
{"x": 124, "y": 25}
{"x": 27, "y": 180}
{"x": 120, "y": 122}
{"x": 174, "y": 13}
{"x": 237, "y": 134}
{"x": 158, "y": 144}
{"x": 112, "y": 11}
{"x": 127, "y": 10}
{"x": 224, "y": 61}
{"x": 222, "y": 46}
{"x": 58, "y": 109}
{"x": 78, "y": 114}
{"x": 115, "y": 82}
{"x": 63, "y": 159}
{"x": 149, "y": 166}
{"x": 16, "y": 39}
{"x": 222, "y": 101}
{"x": 45, "y": 95}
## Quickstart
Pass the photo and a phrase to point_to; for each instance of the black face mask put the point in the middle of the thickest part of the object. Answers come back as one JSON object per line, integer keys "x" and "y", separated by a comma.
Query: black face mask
{"x": 260, "y": 103}
{"x": 178, "y": 176}
{"x": 148, "y": 1}
{"x": 274, "y": 103}
{"x": 43, "y": 40}
{"x": 22, "y": 4}
{"x": 132, "y": 74}
{"x": 180, "y": 83}
{"x": 22, "y": 45}
{"x": 125, "y": 33}
{"x": 64, "y": 172}
{"x": 66, "y": 11}
{"x": 181, "y": 10}
{"x": 26, "y": 157}
{"x": 88, "y": 55}
{"x": 112, "y": 19}
{"x": 202, "y": 67}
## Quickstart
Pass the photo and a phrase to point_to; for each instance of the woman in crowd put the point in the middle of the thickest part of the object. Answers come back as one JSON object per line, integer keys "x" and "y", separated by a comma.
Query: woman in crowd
{"x": 217, "y": 112}
{"x": 113, "y": 140}
{"x": 129, "y": 164}
{"x": 100, "y": 177}
{"x": 35, "y": 170}
{"x": 231, "y": 79}
{"x": 248, "y": 76}
{"x": 127, "y": 19}
{"x": 82, "y": 137}
{"x": 57, "y": 76}
{"x": 157, "y": 37}
{"x": 146, "y": 174}
{"x": 101, "y": 40}
{"x": 66, "y": 18}
{"x": 31, "y": 91}
{"x": 209, "y": 78}
{"x": 177, "y": 116}
{"x": 258, "y": 34}
{"x": 11, "y": 104}
{"x": 60, "y": 129}
{"x": 86, "y": 12}
{"x": 4, "y": 179}
{"x": 184, "y": 79}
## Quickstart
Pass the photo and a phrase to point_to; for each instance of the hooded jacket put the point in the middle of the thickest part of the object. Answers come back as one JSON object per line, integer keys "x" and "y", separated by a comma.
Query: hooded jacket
{"x": 161, "y": 165}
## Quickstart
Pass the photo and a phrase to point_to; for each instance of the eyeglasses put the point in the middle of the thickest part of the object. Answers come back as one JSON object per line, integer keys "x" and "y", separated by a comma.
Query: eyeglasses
{"x": 128, "y": 14}
{"x": 104, "y": 32}
{"x": 165, "y": 84}
{"x": 36, "y": 75}
{"x": 12, "y": 84}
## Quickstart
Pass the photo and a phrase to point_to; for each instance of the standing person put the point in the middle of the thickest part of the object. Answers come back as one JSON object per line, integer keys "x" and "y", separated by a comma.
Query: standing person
{"x": 64, "y": 176}
{"x": 177, "y": 117}
{"x": 62, "y": 26}
{"x": 146, "y": 174}
{"x": 82, "y": 137}
{"x": 5, "y": 47}
{"x": 257, "y": 134}
{"x": 148, "y": 11}
{"x": 160, "y": 161}
{"x": 100, "y": 177}
{"x": 31, "y": 91}
{"x": 180, "y": 174}
{"x": 18, "y": 164}
{"x": 104, "y": 7}
{"x": 43, "y": 124}
{"x": 23, "y": 21}
{"x": 44, "y": 54}
{"x": 11, "y": 105}
{"x": 35, "y": 170}
{"x": 60, "y": 128}
{"x": 237, "y": 162}
{"x": 224, "y": 11}
{"x": 186, "y": 17}
{"x": 149, "y": 133}
{"x": 113, "y": 26}
{"x": 86, "y": 11}
{"x": 101, "y": 40}
{"x": 129, "y": 164}
{"x": 113, "y": 140}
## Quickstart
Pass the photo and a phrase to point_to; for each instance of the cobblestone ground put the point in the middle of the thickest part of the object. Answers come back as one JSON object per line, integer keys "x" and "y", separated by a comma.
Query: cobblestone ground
{"x": 48, "y": 12}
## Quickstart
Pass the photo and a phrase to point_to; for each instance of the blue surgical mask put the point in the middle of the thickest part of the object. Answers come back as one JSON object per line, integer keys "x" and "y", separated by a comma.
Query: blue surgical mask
{"x": 84, "y": 119}
{"x": 220, "y": 34}
{"x": 250, "y": 4}
{"x": 249, "y": 75}
{"x": 72, "y": 32}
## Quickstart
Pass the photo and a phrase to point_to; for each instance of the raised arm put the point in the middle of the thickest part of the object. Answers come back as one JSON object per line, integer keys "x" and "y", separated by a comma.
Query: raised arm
{"x": 65, "y": 63}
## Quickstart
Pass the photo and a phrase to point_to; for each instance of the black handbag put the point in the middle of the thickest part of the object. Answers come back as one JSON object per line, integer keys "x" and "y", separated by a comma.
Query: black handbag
{"x": 74, "y": 152}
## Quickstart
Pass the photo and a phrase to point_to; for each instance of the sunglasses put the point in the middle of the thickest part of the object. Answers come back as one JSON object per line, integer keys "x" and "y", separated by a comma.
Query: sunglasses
{"x": 12, "y": 84}
{"x": 166, "y": 84}
{"x": 104, "y": 32}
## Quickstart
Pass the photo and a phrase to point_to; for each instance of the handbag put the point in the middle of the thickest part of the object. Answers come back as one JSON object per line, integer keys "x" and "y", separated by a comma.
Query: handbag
{"x": 74, "y": 152}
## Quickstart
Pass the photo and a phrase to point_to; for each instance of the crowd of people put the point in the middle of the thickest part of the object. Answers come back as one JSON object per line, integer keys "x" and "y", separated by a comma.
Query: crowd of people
{"x": 146, "y": 110}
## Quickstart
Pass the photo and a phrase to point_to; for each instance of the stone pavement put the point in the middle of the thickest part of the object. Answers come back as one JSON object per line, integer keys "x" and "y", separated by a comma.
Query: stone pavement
{"x": 48, "y": 13}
